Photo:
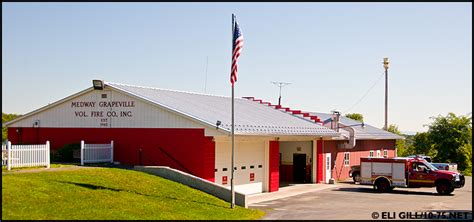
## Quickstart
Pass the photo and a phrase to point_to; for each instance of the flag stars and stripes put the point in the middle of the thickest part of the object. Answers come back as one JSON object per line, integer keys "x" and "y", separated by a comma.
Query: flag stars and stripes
{"x": 238, "y": 43}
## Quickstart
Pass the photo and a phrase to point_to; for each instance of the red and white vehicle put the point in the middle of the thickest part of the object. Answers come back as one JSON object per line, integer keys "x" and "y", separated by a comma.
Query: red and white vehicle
{"x": 387, "y": 173}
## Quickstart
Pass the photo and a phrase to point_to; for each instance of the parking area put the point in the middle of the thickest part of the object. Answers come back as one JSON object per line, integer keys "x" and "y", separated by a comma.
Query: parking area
{"x": 353, "y": 201}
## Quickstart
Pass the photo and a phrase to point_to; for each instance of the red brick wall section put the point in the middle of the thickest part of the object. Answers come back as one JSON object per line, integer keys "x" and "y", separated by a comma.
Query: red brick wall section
{"x": 274, "y": 177}
{"x": 362, "y": 149}
{"x": 190, "y": 147}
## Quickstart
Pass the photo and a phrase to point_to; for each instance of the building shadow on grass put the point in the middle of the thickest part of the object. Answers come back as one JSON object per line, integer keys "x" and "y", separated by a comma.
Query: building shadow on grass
{"x": 98, "y": 187}
{"x": 395, "y": 191}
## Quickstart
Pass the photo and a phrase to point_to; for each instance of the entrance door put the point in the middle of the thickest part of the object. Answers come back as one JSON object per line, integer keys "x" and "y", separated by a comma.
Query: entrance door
{"x": 299, "y": 167}
{"x": 328, "y": 167}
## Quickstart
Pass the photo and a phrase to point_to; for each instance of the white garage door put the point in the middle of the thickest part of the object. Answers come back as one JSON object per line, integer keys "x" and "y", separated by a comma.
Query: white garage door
{"x": 249, "y": 160}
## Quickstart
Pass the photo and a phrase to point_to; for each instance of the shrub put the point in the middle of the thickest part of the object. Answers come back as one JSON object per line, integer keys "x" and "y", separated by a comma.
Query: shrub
{"x": 65, "y": 153}
{"x": 467, "y": 171}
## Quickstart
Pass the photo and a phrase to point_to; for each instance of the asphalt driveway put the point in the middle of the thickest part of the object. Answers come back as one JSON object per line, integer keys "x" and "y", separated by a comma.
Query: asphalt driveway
{"x": 354, "y": 201}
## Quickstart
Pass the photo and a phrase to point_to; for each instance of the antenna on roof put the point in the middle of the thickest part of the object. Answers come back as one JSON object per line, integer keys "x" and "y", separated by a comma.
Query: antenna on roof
{"x": 280, "y": 84}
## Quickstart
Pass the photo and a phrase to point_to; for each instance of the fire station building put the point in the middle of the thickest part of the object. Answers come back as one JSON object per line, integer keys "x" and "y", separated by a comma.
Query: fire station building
{"x": 191, "y": 132}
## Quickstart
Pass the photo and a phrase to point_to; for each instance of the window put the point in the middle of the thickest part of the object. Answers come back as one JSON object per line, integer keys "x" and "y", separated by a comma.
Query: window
{"x": 385, "y": 153}
{"x": 378, "y": 153}
{"x": 346, "y": 159}
{"x": 371, "y": 154}
{"x": 327, "y": 163}
{"x": 419, "y": 167}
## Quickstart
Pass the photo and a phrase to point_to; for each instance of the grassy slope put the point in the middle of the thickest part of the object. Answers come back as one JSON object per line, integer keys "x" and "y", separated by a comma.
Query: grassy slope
{"x": 105, "y": 193}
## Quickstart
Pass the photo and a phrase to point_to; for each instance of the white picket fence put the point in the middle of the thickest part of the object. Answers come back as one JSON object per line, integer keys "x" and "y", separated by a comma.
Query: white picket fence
{"x": 25, "y": 155}
{"x": 97, "y": 153}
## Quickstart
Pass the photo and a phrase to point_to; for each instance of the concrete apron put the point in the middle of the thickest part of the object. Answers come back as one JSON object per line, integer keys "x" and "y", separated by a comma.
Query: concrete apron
{"x": 288, "y": 191}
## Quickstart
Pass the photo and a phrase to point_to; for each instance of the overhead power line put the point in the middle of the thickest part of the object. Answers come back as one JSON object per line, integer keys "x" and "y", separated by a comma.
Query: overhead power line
{"x": 366, "y": 93}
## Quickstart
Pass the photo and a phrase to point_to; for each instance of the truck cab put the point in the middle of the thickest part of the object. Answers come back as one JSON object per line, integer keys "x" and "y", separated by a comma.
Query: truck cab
{"x": 387, "y": 173}
{"x": 421, "y": 173}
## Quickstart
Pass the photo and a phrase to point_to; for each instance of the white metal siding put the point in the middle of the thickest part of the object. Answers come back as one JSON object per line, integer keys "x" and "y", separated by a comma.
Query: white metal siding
{"x": 247, "y": 153}
{"x": 143, "y": 115}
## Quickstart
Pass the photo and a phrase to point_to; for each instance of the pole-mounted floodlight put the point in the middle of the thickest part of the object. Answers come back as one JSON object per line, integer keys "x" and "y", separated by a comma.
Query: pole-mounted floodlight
{"x": 98, "y": 84}
{"x": 385, "y": 63}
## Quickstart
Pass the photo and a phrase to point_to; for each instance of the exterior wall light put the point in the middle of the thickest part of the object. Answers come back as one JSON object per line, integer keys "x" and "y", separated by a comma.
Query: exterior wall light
{"x": 98, "y": 84}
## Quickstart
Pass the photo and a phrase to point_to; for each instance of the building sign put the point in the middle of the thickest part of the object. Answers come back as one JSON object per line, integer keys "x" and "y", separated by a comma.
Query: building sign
{"x": 103, "y": 111}
{"x": 252, "y": 176}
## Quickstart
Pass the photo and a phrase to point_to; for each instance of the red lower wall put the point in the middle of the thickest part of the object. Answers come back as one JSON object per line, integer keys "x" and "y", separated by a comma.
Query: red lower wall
{"x": 190, "y": 149}
{"x": 362, "y": 149}
{"x": 274, "y": 177}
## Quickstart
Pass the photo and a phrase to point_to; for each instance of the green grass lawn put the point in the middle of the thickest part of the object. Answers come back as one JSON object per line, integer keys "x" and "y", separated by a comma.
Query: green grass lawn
{"x": 52, "y": 165}
{"x": 108, "y": 193}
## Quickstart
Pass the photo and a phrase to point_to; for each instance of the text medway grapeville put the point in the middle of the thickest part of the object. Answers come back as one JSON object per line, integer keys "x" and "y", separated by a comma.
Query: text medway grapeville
{"x": 103, "y": 104}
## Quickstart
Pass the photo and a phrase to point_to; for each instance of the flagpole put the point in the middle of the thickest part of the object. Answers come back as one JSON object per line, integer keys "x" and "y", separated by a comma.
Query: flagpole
{"x": 232, "y": 204}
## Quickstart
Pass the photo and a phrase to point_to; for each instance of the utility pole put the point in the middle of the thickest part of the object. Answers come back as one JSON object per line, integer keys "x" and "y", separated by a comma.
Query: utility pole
{"x": 280, "y": 84}
{"x": 385, "y": 65}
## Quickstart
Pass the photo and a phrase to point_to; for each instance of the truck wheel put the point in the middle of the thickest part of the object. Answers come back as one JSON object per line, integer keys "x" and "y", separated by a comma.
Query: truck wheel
{"x": 444, "y": 188}
{"x": 382, "y": 185}
{"x": 356, "y": 177}
{"x": 451, "y": 190}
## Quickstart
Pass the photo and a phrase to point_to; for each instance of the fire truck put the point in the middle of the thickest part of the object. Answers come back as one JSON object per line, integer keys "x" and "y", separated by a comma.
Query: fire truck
{"x": 387, "y": 173}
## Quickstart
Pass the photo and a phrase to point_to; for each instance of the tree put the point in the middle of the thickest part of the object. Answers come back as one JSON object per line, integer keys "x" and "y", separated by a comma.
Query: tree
{"x": 393, "y": 129}
{"x": 423, "y": 145}
{"x": 5, "y": 118}
{"x": 355, "y": 116}
{"x": 451, "y": 138}
{"x": 406, "y": 147}
{"x": 402, "y": 149}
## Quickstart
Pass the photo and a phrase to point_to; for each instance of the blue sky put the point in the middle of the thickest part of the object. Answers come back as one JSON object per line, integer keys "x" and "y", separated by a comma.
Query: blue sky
{"x": 331, "y": 53}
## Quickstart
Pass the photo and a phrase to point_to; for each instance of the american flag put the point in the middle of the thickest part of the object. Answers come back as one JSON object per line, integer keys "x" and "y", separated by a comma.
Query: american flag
{"x": 238, "y": 43}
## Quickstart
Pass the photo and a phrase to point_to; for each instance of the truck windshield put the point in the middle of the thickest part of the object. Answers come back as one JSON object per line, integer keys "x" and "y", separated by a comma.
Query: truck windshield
{"x": 429, "y": 165}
